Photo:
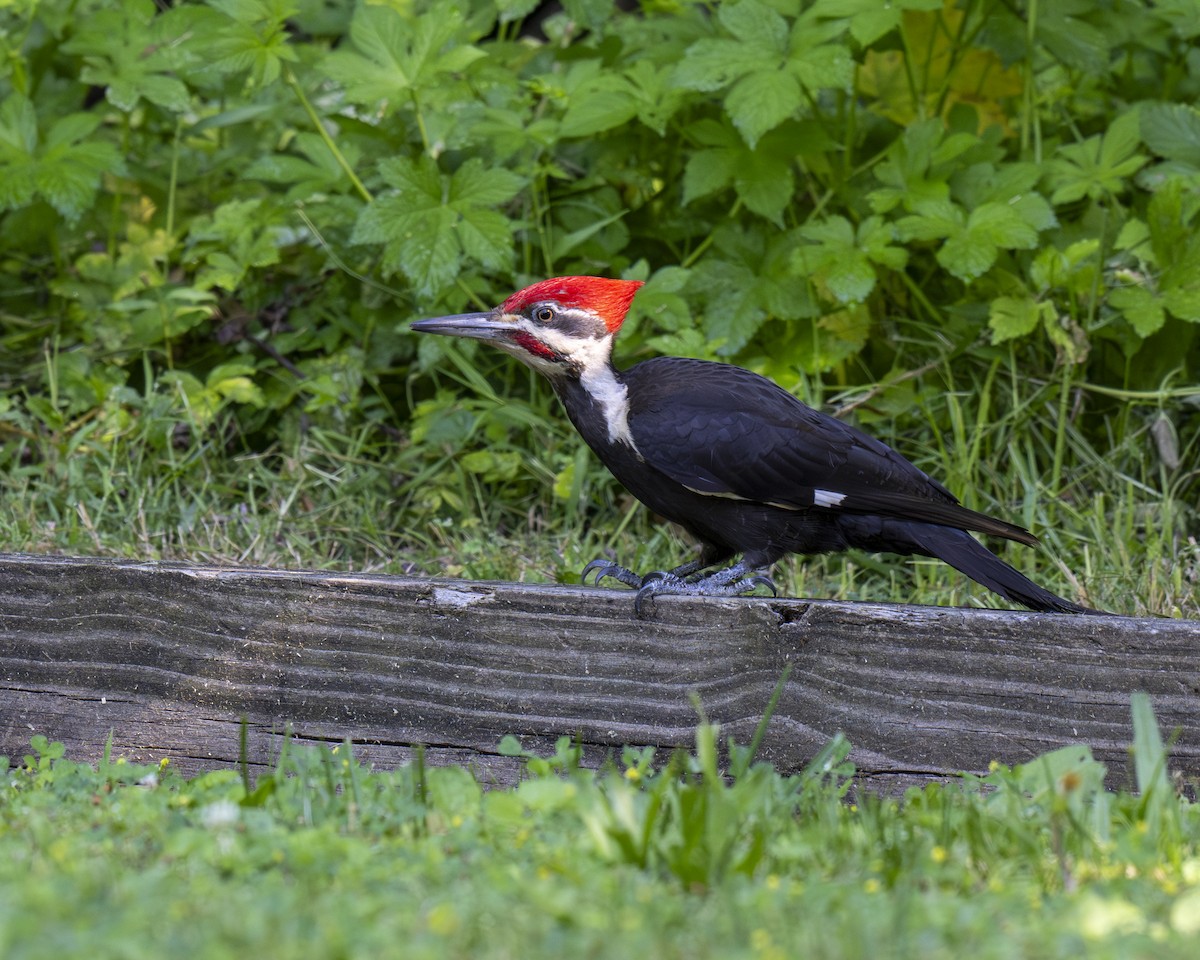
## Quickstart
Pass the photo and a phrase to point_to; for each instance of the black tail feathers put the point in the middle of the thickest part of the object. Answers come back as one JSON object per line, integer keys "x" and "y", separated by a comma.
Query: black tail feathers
{"x": 967, "y": 555}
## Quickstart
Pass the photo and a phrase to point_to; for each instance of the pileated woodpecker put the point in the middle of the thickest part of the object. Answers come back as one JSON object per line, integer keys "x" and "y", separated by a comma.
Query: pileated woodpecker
{"x": 732, "y": 457}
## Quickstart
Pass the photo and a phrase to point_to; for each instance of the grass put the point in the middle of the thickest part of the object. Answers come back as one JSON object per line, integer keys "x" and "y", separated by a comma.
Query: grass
{"x": 467, "y": 494}
{"x": 652, "y": 856}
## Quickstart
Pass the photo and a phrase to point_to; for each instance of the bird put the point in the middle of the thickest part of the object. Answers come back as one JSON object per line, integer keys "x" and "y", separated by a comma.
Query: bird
{"x": 744, "y": 466}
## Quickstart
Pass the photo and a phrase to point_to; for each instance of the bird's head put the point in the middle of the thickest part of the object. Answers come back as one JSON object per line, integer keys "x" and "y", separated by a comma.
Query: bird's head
{"x": 560, "y": 326}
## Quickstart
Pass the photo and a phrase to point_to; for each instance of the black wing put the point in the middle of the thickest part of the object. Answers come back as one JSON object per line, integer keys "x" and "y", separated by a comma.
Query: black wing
{"x": 724, "y": 431}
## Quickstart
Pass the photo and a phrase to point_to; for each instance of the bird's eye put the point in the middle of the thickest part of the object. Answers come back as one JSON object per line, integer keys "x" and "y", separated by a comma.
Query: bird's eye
{"x": 545, "y": 315}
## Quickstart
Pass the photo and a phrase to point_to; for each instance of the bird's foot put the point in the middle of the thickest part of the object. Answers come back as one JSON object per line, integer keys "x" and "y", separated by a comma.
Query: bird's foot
{"x": 606, "y": 568}
{"x": 730, "y": 582}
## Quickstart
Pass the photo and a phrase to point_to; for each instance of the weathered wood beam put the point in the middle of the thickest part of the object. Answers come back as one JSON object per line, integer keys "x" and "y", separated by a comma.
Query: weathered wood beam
{"x": 171, "y": 657}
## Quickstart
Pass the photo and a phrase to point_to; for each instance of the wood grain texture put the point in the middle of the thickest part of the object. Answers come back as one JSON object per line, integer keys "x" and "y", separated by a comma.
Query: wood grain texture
{"x": 170, "y": 657}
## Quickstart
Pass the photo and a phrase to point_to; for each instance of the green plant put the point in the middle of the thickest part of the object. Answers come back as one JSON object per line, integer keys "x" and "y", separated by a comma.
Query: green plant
{"x": 710, "y": 854}
{"x": 222, "y": 214}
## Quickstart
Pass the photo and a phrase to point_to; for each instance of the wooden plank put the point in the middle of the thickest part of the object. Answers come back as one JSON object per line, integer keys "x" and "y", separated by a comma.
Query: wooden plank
{"x": 170, "y": 657}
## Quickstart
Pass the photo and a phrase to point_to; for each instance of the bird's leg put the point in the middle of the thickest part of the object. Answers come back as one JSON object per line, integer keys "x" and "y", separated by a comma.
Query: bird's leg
{"x": 683, "y": 571}
{"x": 606, "y": 568}
{"x": 733, "y": 581}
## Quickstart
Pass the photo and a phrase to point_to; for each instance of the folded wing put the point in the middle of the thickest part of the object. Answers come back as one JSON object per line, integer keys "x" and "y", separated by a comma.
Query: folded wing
{"x": 728, "y": 432}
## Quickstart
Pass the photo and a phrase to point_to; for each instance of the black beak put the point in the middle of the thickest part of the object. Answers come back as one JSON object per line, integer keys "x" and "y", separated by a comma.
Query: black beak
{"x": 476, "y": 326}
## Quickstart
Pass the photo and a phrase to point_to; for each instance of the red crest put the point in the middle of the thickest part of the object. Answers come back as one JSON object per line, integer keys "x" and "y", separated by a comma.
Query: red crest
{"x": 608, "y": 299}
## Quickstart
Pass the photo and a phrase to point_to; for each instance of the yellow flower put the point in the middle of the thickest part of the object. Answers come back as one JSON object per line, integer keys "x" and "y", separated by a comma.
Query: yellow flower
{"x": 443, "y": 920}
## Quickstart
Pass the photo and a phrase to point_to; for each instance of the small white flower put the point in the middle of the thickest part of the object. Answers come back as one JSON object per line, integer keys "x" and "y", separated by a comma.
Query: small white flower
{"x": 219, "y": 815}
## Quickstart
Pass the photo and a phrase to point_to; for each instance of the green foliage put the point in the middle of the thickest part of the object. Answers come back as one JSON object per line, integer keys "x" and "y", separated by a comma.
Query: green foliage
{"x": 200, "y": 204}
{"x": 708, "y": 854}
{"x": 61, "y": 165}
{"x": 430, "y": 222}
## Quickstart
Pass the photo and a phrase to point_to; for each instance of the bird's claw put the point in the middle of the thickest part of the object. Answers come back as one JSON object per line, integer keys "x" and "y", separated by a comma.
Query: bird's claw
{"x": 657, "y": 582}
{"x": 761, "y": 581}
{"x": 606, "y": 568}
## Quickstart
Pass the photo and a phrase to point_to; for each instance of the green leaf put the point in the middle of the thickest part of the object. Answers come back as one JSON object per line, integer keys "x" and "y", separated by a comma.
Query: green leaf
{"x": 1073, "y": 40}
{"x": 967, "y": 257}
{"x": 317, "y": 172}
{"x": 1073, "y": 269}
{"x": 486, "y": 236}
{"x": 1172, "y": 130}
{"x": 875, "y": 238}
{"x": 566, "y": 243}
{"x": 431, "y": 221}
{"x": 733, "y": 311}
{"x": 511, "y": 10}
{"x": 905, "y": 170}
{"x": 18, "y": 127}
{"x": 131, "y": 52}
{"x": 850, "y": 279}
{"x": 415, "y": 180}
{"x": 429, "y": 257}
{"x": 971, "y": 245}
{"x": 606, "y": 103}
{"x": 591, "y": 13}
{"x": 1150, "y": 759}
{"x": 840, "y": 261}
{"x": 1119, "y": 145}
{"x": 384, "y": 66}
{"x": 1183, "y": 298}
{"x": 64, "y": 168}
{"x": 761, "y": 101}
{"x": 761, "y": 177}
{"x": 708, "y": 171}
{"x": 754, "y": 23}
{"x": 657, "y": 100}
{"x": 254, "y": 40}
{"x": 765, "y": 183}
{"x": 838, "y": 336}
{"x": 398, "y": 53}
{"x": 827, "y": 67}
{"x": 234, "y": 381}
{"x": 69, "y": 186}
{"x": 1012, "y": 317}
{"x": 934, "y": 220}
{"x": 1100, "y": 165}
{"x": 1144, "y": 310}
{"x": 510, "y": 746}
{"x": 1002, "y": 225}
{"x": 1133, "y": 234}
{"x": 712, "y": 64}
{"x": 869, "y": 19}
{"x": 768, "y": 64}
{"x": 475, "y": 184}
{"x": 1034, "y": 211}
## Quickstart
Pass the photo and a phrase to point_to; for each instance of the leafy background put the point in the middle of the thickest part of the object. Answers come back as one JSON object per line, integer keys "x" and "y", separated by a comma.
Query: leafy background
{"x": 968, "y": 225}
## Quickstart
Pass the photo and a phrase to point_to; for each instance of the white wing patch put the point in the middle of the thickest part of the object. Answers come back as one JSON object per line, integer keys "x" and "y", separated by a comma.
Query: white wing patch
{"x": 827, "y": 498}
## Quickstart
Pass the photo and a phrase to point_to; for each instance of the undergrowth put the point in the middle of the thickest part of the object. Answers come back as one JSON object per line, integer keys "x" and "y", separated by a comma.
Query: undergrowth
{"x": 706, "y": 853}
{"x": 969, "y": 225}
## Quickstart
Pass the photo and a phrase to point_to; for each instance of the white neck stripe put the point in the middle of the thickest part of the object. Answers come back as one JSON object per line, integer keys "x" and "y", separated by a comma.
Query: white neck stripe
{"x": 612, "y": 396}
